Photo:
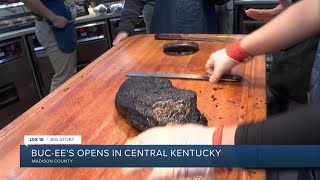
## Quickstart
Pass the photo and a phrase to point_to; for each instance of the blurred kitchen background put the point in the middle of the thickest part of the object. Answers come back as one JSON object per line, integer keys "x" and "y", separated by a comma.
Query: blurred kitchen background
{"x": 25, "y": 69}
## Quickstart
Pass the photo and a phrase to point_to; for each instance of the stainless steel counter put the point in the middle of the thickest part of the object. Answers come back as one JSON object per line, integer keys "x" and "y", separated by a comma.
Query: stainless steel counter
{"x": 80, "y": 20}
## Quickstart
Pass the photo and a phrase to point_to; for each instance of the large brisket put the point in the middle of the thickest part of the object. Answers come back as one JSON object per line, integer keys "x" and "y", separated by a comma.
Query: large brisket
{"x": 148, "y": 102}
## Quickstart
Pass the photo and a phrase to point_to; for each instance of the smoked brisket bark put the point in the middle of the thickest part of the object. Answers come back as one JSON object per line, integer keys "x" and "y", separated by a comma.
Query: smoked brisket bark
{"x": 149, "y": 102}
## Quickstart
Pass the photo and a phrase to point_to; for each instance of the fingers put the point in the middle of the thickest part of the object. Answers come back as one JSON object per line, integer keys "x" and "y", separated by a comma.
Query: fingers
{"x": 120, "y": 37}
{"x": 213, "y": 69}
{"x": 210, "y": 66}
{"x": 132, "y": 141}
{"x": 150, "y": 137}
{"x": 260, "y": 14}
{"x": 265, "y": 15}
{"x": 64, "y": 22}
{"x": 162, "y": 173}
{"x": 60, "y": 22}
{"x": 129, "y": 171}
{"x": 218, "y": 64}
{"x": 216, "y": 76}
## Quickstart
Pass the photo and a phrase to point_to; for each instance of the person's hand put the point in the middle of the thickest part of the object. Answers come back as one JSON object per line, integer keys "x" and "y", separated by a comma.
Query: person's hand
{"x": 120, "y": 37}
{"x": 218, "y": 64}
{"x": 265, "y": 15}
{"x": 191, "y": 134}
{"x": 59, "y": 21}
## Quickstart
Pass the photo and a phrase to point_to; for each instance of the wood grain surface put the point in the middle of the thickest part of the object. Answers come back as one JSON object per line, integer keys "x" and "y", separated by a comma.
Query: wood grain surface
{"x": 84, "y": 105}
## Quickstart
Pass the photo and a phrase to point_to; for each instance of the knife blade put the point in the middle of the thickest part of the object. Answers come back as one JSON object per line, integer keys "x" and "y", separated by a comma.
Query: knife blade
{"x": 225, "y": 77}
{"x": 179, "y": 37}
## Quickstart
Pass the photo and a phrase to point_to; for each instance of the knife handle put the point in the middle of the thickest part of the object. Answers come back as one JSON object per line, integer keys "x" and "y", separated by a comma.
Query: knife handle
{"x": 231, "y": 78}
{"x": 227, "y": 78}
{"x": 167, "y": 37}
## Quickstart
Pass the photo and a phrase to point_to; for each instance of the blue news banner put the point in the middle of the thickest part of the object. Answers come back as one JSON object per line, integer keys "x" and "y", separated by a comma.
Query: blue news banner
{"x": 170, "y": 156}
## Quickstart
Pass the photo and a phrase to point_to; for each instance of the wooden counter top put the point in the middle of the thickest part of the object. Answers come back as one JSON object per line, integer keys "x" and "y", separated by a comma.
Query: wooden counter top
{"x": 84, "y": 105}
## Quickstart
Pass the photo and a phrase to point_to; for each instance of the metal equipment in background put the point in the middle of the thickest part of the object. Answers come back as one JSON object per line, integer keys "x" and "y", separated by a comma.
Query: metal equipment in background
{"x": 244, "y": 24}
{"x": 140, "y": 27}
{"x": 15, "y": 16}
{"x": 82, "y": 9}
{"x": 18, "y": 90}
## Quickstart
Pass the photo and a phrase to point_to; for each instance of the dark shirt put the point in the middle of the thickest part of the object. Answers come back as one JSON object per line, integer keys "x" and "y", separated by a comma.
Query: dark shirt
{"x": 300, "y": 127}
{"x": 173, "y": 16}
{"x": 291, "y": 70}
{"x": 289, "y": 77}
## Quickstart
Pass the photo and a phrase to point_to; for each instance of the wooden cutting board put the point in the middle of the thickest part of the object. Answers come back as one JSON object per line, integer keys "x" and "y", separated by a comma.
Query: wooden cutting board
{"x": 84, "y": 105}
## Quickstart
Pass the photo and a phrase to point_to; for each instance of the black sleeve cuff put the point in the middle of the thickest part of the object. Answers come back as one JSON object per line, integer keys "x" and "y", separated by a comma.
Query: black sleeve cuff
{"x": 126, "y": 26}
{"x": 250, "y": 134}
{"x": 300, "y": 127}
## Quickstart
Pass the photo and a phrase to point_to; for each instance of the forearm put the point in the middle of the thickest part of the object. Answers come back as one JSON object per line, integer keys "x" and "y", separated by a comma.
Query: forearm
{"x": 300, "y": 127}
{"x": 298, "y": 22}
{"x": 37, "y": 7}
{"x": 131, "y": 11}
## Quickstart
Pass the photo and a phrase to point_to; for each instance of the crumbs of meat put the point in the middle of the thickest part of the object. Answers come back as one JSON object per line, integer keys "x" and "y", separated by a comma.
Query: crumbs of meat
{"x": 66, "y": 89}
{"x": 217, "y": 88}
{"x": 231, "y": 101}
{"x": 213, "y": 98}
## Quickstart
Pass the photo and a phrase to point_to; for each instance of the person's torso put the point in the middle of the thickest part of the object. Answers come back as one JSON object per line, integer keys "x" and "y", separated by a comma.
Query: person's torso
{"x": 66, "y": 37}
{"x": 183, "y": 16}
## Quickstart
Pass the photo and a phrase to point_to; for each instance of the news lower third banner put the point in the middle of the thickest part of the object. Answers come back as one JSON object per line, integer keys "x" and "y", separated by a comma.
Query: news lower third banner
{"x": 170, "y": 156}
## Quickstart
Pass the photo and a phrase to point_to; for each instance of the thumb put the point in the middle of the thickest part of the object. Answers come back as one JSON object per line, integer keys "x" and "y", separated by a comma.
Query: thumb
{"x": 120, "y": 37}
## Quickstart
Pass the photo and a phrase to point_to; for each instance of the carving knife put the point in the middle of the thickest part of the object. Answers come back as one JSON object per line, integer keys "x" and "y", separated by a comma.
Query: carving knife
{"x": 179, "y": 37}
{"x": 225, "y": 77}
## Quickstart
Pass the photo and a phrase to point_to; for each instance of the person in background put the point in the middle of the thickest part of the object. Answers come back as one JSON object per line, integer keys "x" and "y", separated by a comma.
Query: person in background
{"x": 55, "y": 31}
{"x": 293, "y": 128}
{"x": 288, "y": 80}
{"x": 147, "y": 14}
{"x": 171, "y": 16}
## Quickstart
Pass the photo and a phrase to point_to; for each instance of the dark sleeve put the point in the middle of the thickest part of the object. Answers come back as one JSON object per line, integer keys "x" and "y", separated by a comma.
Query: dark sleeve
{"x": 218, "y": 2}
{"x": 300, "y": 127}
{"x": 131, "y": 11}
{"x": 221, "y": 2}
